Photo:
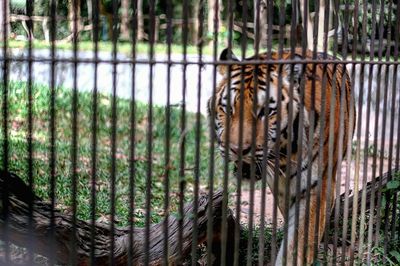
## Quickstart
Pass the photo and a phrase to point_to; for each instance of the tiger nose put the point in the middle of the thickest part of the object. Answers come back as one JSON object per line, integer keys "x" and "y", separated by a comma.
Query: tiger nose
{"x": 235, "y": 149}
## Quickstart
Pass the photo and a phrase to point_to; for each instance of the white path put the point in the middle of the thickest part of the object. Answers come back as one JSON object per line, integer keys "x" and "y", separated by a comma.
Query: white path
{"x": 141, "y": 76}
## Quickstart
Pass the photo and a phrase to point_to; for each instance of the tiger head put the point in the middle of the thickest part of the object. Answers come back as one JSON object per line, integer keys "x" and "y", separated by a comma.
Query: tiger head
{"x": 246, "y": 108}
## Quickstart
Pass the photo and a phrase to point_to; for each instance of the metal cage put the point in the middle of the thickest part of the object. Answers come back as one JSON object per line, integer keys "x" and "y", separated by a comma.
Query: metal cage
{"x": 115, "y": 113}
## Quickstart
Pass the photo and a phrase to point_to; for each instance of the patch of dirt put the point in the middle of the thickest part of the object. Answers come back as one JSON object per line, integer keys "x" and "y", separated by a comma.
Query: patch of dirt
{"x": 269, "y": 201}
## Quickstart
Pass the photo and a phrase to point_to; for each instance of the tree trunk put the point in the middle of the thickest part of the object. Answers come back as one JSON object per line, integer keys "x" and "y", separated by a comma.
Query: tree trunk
{"x": 321, "y": 25}
{"x": 260, "y": 26}
{"x": 197, "y": 22}
{"x": 4, "y": 19}
{"x": 140, "y": 22}
{"x": 74, "y": 18}
{"x": 125, "y": 20}
{"x": 37, "y": 240}
{"x": 214, "y": 21}
{"x": 90, "y": 15}
{"x": 308, "y": 22}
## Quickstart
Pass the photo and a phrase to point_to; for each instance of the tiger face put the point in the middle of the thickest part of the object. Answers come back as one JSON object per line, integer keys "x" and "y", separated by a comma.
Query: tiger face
{"x": 246, "y": 105}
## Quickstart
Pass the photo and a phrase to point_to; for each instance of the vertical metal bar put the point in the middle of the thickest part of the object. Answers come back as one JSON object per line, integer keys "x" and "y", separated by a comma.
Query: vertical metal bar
{"x": 370, "y": 229}
{"x": 224, "y": 228}
{"x": 323, "y": 109}
{"x": 239, "y": 176}
{"x": 212, "y": 132}
{"x": 390, "y": 203}
{"x": 381, "y": 166}
{"x": 358, "y": 146}
{"x": 149, "y": 133}
{"x": 290, "y": 120}
{"x": 333, "y": 173}
{"x": 264, "y": 173}
{"x": 257, "y": 39}
{"x": 182, "y": 148}
{"x": 113, "y": 162}
{"x": 254, "y": 106}
{"x": 299, "y": 157}
{"x": 114, "y": 119}
{"x": 383, "y": 133}
{"x": 341, "y": 144}
{"x": 167, "y": 135}
{"x": 226, "y": 132}
{"x": 396, "y": 69}
{"x": 332, "y": 146}
{"x": 374, "y": 169}
{"x": 132, "y": 150}
{"x": 224, "y": 223}
{"x": 349, "y": 142}
{"x": 274, "y": 238}
{"x": 200, "y": 17}
{"x": 95, "y": 21}
{"x": 309, "y": 170}
{"x": 5, "y": 142}
{"x": 390, "y": 194}
{"x": 240, "y": 159}
{"x": 312, "y": 121}
{"x": 264, "y": 163}
{"x": 396, "y": 40}
{"x": 366, "y": 140}
{"x": 278, "y": 138}
{"x": 265, "y": 160}
{"x": 325, "y": 174}
{"x": 74, "y": 123}
{"x": 240, "y": 140}
{"x": 29, "y": 12}
{"x": 52, "y": 126}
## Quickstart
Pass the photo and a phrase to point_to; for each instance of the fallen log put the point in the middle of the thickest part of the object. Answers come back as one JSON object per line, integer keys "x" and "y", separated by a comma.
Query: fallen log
{"x": 38, "y": 240}
{"x": 372, "y": 187}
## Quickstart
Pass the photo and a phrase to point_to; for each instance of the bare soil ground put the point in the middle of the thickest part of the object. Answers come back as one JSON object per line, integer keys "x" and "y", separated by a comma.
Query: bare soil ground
{"x": 269, "y": 201}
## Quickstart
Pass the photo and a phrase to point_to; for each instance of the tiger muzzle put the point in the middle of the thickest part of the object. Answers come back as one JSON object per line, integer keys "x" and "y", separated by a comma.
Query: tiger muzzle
{"x": 246, "y": 171}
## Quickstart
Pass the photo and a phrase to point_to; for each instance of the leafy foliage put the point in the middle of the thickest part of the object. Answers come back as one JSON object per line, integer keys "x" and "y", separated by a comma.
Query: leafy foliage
{"x": 383, "y": 18}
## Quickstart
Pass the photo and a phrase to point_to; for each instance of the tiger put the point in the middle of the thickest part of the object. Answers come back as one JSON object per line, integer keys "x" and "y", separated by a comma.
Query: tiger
{"x": 245, "y": 137}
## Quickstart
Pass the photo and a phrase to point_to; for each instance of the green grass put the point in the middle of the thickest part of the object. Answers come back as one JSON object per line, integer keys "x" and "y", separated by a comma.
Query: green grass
{"x": 18, "y": 152}
{"x": 126, "y": 47}
{"x": 159, "y": 48}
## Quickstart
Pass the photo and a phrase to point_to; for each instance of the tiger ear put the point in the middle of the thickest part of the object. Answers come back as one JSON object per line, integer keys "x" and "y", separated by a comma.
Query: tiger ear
{"x": 294, "y": 70}
{"x": 225, "y": 55}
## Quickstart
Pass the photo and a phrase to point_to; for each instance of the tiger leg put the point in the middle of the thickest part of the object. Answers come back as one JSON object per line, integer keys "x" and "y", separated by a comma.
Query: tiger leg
{"x": 304, "y": 249}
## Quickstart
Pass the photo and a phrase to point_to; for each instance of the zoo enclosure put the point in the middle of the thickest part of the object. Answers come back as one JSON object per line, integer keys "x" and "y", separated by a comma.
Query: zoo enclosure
{"x": 370, "y": 228}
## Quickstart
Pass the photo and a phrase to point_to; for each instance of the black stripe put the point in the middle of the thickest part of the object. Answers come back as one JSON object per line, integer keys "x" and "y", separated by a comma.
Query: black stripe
{"x": 247, "y": 79}
{"x": 235, "y": 75}
{"x": 316, "y": 119}
{"x": 261, "y": 82}
{"x": 313, "y": 185}
{"x": 303, "y": 168}
{"x": 303, "y": 192}
{"x": 295, "y": 133}
{"x": 236, "y": 82}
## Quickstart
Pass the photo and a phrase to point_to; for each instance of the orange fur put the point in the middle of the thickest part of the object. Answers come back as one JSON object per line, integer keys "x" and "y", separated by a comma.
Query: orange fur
{"x": 314, "y": 80}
